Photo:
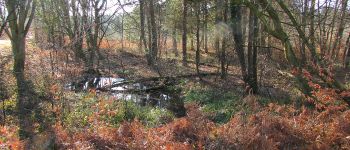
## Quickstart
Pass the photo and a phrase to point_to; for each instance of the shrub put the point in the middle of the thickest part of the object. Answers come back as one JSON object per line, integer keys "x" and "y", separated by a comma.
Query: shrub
{"x": 149, "y": 116}
{"x": 156, "y": 116}
{"x": 219, "y": 105}
{"x": 78, "y": 117}
{"x": 9, "y": 138}
{"x": 89, "y": 111}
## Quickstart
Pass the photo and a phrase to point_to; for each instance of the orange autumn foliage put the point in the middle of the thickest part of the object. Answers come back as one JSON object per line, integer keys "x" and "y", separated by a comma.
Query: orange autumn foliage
{"x": 9, "y": 138}
{"x": 273, "y": 127}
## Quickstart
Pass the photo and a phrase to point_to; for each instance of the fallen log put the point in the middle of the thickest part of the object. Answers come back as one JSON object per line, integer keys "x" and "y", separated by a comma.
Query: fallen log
{"x": 155, "y": 79}
{"x": 134, "y": 91}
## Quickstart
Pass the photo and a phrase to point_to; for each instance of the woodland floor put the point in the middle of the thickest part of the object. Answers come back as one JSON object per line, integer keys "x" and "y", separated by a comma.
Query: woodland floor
{"x": 269, "y": 126}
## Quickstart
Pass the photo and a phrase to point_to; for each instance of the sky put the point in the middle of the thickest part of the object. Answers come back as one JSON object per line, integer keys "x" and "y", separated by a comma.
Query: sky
{"x": 113, "y": 5}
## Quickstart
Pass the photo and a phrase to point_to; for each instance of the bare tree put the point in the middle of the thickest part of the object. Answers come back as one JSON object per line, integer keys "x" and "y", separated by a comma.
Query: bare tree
{"x": 249, "y": 66}
{"x": 93, "y": 11}
{"x": 3, "y": 18}
{"x": 238, "y": 35}
{"x": 341, "y": 27}
{"x": 70, "y": 16}
{"x": 303, "y": 23}
{"x": 21, "y": 14}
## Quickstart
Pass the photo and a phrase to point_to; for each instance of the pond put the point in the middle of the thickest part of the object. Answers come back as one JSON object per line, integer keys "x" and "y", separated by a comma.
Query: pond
{"x": 141, "y": 93}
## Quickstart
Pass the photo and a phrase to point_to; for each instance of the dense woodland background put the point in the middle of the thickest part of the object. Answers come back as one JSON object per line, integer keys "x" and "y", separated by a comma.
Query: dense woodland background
{"x": 210, "y": 74}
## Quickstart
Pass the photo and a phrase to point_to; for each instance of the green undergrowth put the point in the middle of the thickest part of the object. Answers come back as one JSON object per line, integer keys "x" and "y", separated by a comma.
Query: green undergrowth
{"x": 264, "y": 101}
{"x": 90, "y": 110}
{"x": 347, "y": 85}
{"x": 218, "y": 105}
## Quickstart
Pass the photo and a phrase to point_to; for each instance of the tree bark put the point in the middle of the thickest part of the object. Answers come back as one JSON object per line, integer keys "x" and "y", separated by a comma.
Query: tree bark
{"x": 312, "y": 24}
{"x": 175, "y": 50}
{"x": 341, "y": 27}
{"x": 303, "y": 22}
{"x": 206, "y": 16}
{"x": 218, "y": 20}
{"x": 252, "y": 68}
{"x": 346, "y": 54}
{"x": 91, "y": 10}
{"x": 330, "y": 31}
{"x": 184, "y": 34}
{"x": 154, "y": 46}
{"x": 76, "y": 36}
{"x": 301, "y": 34}
{"x": 159, "y": 30}
{"x": 122, "y": 40}
{"x": 236, "y": 22}
{"x": 149, "y": 28}
{"x": 19, "y": 22}
{"x": 22, "y": 100}
{"x": 223, "y": 61}
{"x": 142, "y": 24}
{"x": 197, "y": 38}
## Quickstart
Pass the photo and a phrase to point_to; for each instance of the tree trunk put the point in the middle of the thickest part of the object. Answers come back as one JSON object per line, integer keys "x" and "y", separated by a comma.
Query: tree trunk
{"x": 251, "y": 79}
{"x": 18, "y": 49}
{"x": 89, "y": 35}
{"x": 122, "y": 40}
{"x": 149, "y": 28}
{"x": 206, "y": 16}
{"x": 331, "y": 30}
{"x": 76, "y": 33}
{"x": 301, "y": 34}
{"x": 341, "y": 27}
{"x": 165, "y": 39}
{"x": 77, "y": 47}
{"x": 218, "y": 20}
{"x": 303, "y": 22}
{"x": 322, "y": 27}
{"x": 236, "y": 22}
{"x": 142, "y": 24}
{"x": 154, "y": 48}
{"x": 252, "y": 53}
{"x": 197, "y": 38}
{"x": 175, "y": 50}
{"x": 19, "y": 22}
{"x": 192, "y": 38}
{"x": 279, "y": 33}
{"x": 184, "y": 34}
{"x": 223, "y": 44}
{"x": 312, "y": 24}
{"x": 346, "y": 52}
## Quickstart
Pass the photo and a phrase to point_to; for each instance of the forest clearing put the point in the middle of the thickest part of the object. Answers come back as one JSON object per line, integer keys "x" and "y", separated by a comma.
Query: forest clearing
{"x": 174, "y": 74}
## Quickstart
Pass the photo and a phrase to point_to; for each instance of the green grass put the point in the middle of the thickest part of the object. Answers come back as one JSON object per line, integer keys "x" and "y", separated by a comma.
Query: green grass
{"x": 87, "y": 106}
{"x": 347, "y": 85}
{"x": 219, "y": 105}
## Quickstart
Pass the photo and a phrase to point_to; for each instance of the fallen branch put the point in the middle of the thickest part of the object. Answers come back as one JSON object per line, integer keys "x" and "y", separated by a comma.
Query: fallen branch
{"x": 167, "y": 78}
{"x": 133, "y": 91}
{"x": 286, "y": 74}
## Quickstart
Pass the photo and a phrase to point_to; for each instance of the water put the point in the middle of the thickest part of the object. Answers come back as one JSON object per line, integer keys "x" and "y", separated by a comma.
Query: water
{"x": 104, "y": 82}
{"x": 126, "y": 92}
{"x": 139, "y": 93}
